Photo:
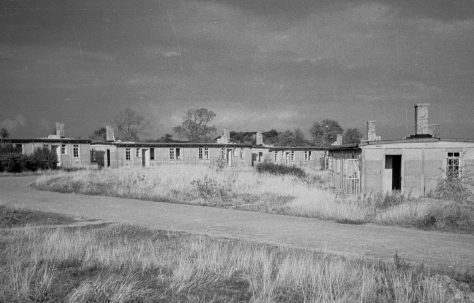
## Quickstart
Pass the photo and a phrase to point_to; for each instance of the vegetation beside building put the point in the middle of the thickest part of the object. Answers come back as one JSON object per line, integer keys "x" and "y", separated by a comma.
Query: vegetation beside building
{"x": 13, "y": 161}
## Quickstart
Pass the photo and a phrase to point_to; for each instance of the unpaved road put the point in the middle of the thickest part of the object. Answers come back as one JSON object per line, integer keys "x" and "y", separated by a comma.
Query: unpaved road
{"x": 447, "y": 249}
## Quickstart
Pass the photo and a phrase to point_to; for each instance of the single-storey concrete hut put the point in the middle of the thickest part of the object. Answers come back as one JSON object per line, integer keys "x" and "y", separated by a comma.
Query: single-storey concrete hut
{"x": 412, "y": 166}
{"x": 149, "y": 154}
{"x": 70, "y": 152}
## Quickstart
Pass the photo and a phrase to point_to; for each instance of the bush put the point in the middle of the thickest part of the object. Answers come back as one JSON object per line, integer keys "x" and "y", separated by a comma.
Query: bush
{"x": 452, "y": 188}
{"x": 42, "y": 158}
{"x": 209, "y": 188}
{"x": 278, "y": 169}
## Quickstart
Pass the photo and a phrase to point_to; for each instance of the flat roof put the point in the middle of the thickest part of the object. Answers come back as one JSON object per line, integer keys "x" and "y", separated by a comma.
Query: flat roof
{"x": 418, "y": 140}
{"x": 169, "y": 144}
{"x": 279, "y": 148}
{"x": 343, "y": 147}
{"x": 46, "y": 140}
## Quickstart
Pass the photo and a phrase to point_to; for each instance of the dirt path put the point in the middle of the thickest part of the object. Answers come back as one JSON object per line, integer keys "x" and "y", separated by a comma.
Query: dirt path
{"x": 352, "y": 240}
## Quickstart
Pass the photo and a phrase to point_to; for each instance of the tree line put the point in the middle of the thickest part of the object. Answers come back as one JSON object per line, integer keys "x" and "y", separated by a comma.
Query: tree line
{"x": 196, "y": 127}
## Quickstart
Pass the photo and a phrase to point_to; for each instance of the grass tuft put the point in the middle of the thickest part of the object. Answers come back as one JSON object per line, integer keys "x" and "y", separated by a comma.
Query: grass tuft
{"x": 280, "y": 194}
{"x": 131, "y": 264}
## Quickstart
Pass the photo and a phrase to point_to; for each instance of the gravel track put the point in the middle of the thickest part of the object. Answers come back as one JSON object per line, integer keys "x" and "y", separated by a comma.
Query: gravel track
{"x": 373, "y": 241}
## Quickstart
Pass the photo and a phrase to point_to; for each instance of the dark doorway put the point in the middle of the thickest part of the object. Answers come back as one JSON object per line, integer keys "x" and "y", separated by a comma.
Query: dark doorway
{"x": 108, "y": 158}
{"x": 394, "y": 163}
{"x": 143, "y": 157}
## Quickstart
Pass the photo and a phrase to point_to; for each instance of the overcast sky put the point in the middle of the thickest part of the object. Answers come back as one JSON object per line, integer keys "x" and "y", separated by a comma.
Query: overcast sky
{"x": 258, "y": 64}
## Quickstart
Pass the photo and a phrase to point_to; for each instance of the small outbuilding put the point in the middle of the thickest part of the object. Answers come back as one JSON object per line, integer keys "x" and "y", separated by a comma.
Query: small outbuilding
{"x": 412, "y": 166}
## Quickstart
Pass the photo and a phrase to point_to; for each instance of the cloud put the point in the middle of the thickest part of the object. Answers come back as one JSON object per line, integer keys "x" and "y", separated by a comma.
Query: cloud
{"x": 171, "y": 54}
{"x": 13, "y": 123}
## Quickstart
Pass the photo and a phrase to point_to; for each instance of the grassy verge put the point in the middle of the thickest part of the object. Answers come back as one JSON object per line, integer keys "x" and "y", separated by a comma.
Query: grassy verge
{"x": 131, "y": 264}
{"x": 306, "y": 196}
{"x": 12, "y": 217}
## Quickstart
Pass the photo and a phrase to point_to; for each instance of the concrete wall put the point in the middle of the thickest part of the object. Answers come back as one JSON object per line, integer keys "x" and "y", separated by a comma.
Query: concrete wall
{"x": 423, "y": 165}
{"x": 299, "y": 157}
{"x": 64, "y": 160}
{"x": 188, "y": 155}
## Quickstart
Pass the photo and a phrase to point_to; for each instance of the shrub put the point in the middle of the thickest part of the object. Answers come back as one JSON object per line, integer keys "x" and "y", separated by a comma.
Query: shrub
{"x": 42, "y": 158}
{"x": 208, "y": 188}
{"x": 452, "y": 188}
{"x": 278, "y": 169}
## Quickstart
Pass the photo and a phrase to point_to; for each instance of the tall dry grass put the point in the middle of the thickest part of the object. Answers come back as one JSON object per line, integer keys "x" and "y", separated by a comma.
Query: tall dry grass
{"x": 129, "y": 264}
{"x": 249, "y": 190}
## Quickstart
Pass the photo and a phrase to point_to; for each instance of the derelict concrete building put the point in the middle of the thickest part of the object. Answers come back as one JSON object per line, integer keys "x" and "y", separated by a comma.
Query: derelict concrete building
{"x": 70, "y": 152}
{"x": 413, "y": 165}
{"x": 115, "y": 154}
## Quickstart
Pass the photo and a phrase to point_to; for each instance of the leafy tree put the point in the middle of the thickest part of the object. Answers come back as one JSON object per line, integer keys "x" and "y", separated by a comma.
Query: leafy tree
{"x": 271, "y": 137}
{"x": 352, "y": 135}
{"x": 4, "y": 133}
{"x": 299, "y": 138}
{"x": 195, "y": 126}
{"x": 131, "y": 124}
{"x": 325, "y": 132}
{"x": 243, "y": 137}
{"x": 167, "y": 138}
{"x": 286, "y": 138}
{"x": 99, "y": 134}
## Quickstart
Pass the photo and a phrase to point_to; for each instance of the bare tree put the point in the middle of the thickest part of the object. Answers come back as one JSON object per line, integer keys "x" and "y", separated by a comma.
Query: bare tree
{"x": 131, "y": 124}
{"x": 195, "y": 126}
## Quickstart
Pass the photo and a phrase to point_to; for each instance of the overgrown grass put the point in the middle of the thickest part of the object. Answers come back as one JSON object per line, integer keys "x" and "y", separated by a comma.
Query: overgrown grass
{"x": 281, "y": 194}
{"x": 13, "y": 217}
{"x": 130, "y": 264}
{"x": 279, "y": 169}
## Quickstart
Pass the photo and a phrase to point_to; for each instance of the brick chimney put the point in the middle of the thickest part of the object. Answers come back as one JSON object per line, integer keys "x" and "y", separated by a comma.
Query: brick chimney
{"x": 371, "y": 133}
{"x": 338, "y": 140}
{"x": 421, "y": 119}
{"x": 60, "y": 130}
{"x": 226, "y": 135}
{"x": 259, "y": 138}
{"x": 109, "y": 133}
{"x": 225, "y": 138}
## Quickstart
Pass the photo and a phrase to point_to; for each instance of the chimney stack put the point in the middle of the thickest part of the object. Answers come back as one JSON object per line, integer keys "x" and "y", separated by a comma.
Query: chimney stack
{"x": 109, "y": 133}
{"x": 225, "y": 138}
{"x": 60, "y": 130}
{"x": 259, "y": 138}
{"x": 421, "y": 119}
{"x": 338, "y": 140}
{"x": 371, "y": 133}
{"x": 226, "y": 135}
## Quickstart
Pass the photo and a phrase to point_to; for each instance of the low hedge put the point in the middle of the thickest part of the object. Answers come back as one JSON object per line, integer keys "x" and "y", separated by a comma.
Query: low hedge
{"x": 278, "y": 169}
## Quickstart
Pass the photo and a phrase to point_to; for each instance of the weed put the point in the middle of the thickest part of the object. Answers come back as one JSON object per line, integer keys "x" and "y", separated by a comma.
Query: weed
{"x": 453, "y": 188}
{"x": 209, "y": 188}
{"x": 279, "y": 169}
{"x": 281, "y": 194}
{"x": 132, "y": 264}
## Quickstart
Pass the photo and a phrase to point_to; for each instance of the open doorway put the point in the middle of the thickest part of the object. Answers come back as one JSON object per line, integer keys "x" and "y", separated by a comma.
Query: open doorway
{"x": 393, "y": 173}
{"x": 143, "y": 157}
{"x": 108, "y": 157}
{"x": 229, "y": 157}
